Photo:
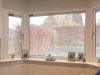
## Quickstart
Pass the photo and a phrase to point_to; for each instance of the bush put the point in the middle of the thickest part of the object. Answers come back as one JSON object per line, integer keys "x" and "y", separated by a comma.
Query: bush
{"x": 77, "y": 43}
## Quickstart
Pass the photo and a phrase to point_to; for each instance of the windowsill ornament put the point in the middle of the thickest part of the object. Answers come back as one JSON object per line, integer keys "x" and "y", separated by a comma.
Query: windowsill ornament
{"x": 84, "y": 60}
{"x": 50, "y": 58}
{"x": 98, "y": 61}
{"x": 12, "y": 56}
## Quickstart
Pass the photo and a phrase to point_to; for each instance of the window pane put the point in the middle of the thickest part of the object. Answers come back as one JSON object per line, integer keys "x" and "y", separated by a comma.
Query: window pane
{"x": 14, "y": 35}
{"x": 97, "y": 33}
{"x": 57, "y": 34}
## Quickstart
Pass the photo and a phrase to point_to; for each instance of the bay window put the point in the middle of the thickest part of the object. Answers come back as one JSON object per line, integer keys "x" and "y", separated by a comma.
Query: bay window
{"x": 57, "y": 34}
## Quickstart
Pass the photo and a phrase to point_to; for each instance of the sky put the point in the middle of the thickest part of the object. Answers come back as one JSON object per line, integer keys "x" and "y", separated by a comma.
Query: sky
{"x": 97, "y": 16}
{"x": 39, "y": 20}
{"x": 13, "y": 21}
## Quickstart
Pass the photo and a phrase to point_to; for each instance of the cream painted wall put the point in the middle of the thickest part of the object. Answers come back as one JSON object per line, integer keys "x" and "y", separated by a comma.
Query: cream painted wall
{"x": 12, "y": 68}
{"x": 93, "y": 2}
{"x": 17, "y": 5}
{"x": 32, "y": 69}
{"x": 91, "y": 70}
{"x": 1, "y": 18}
{"x": 1, "y": 27}
{"x": 47, "y": 6}
{"x": 50, "y": 5}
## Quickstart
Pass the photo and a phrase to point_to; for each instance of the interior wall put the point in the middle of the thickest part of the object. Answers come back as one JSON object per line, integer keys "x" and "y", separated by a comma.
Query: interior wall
{"x": 53, "y": 68}
{"x": 1, "y": 27}
{"x": 50, "y": 5}
{"x": 93, "y": 3}
{"x": 12, "y": 68}
{"x": 91, "y": 70}
{"x": 33, "y": 69}
{"x": 17, "y": 5}
{"x": 0, "y": 17}
{"x": 47, "y": 6}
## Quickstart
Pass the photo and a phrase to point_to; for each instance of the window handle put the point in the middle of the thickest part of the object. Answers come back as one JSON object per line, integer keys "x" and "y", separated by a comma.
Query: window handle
{"x": 92, "y": 35}
{"x": 23, "y": 36}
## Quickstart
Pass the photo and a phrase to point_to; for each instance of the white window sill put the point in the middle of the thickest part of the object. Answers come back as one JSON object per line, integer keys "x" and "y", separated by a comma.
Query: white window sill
{"x": 64, "y": 62}
{"x": 57, "y": 61}
{"x": 11, "y": 60}
{"x": 61, "y": 62}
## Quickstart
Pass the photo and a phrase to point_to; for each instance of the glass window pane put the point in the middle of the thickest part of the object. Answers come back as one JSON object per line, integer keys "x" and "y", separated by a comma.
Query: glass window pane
{"x": 97, "y": 33}
{"x": 57, "y": 34}
{"x": 14, "y": 35}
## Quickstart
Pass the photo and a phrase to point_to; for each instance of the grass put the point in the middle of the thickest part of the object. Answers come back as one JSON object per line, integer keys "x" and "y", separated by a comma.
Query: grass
{"x": 97, "y": 47}
{"x": 69, "y": 46}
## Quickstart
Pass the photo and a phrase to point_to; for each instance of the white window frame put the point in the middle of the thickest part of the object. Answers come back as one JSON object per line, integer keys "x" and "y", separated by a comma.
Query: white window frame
{"x": 71, "y": 11}
{"x": 6, "y": 24}
{"x": 93, "y": 34}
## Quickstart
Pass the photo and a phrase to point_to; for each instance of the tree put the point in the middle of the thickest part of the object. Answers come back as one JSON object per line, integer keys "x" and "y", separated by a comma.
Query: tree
{"x": 77, "y": 18}
{"x": 49, "y": 22}
{"x": 58, "y": 21}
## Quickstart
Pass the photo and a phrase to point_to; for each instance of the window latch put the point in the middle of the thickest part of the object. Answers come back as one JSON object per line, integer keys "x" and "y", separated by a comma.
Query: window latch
{"x": 23, "y": 36}
{"x": 92, "y": 35}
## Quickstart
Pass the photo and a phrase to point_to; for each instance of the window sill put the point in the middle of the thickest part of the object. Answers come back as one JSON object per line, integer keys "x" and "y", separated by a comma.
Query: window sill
{"x": 10, "y": 60}
{"x": 57, "y": 61}
{"x": 62, "y": 63}
{"x": 53, "y": 63}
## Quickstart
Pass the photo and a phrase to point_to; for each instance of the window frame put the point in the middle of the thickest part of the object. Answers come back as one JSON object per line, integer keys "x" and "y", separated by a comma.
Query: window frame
{"x": 57, "y": 13}
{"x": 6, "y": 25}
{"x": 93, "y": 35}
